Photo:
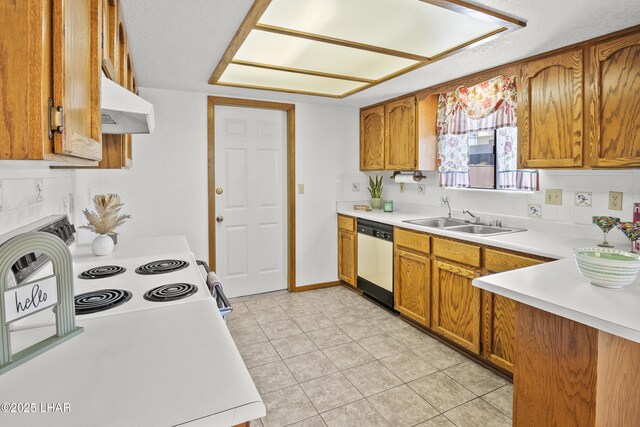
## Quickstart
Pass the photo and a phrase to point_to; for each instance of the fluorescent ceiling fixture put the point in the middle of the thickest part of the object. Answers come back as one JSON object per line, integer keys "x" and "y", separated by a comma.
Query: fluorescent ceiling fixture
{"x": 240, "y": 75}
{"x": 339, "y": 47}
{"x": 304, "y": 54}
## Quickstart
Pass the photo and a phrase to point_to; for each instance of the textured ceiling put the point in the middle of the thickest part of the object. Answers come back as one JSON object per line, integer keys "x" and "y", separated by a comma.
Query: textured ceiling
{"x": 176, "y": 45}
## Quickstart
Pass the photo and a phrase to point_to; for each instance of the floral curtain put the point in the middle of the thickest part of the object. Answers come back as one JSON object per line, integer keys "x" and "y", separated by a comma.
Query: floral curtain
{"x": 509, "y": 178}
{"x": 488, "y": 105}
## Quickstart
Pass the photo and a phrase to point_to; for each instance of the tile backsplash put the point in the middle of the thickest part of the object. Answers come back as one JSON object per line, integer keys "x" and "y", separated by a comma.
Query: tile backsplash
{"x": 30, "y": 191}
{"x": 596, "y": 182}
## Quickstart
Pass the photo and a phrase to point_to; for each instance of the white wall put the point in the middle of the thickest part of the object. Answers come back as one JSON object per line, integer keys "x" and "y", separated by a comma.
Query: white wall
{"x": 19, "y": 204}
{"x": 166, "y": 190}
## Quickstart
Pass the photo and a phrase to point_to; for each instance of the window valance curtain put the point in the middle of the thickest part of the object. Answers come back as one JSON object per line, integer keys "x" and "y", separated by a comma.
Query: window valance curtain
{"x": 487, "y": 105}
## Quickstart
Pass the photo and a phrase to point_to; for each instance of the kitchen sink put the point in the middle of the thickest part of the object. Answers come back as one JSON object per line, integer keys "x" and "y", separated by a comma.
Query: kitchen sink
{"x": 461, "y": 226}
{"x": 437, "y": 222}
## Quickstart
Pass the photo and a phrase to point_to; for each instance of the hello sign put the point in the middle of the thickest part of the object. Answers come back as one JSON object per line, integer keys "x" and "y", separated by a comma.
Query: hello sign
{"x": 22, "y": 301}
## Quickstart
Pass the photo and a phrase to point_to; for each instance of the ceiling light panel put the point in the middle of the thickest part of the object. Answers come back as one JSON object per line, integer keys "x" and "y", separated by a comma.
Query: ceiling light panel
{"x": 411, "y": 26}
{"x": 241, "y": 75}
{"x": 303, "y": 54}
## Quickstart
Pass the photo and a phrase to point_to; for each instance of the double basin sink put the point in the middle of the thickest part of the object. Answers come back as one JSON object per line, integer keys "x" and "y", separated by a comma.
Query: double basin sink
{"x": 461, "y": 226}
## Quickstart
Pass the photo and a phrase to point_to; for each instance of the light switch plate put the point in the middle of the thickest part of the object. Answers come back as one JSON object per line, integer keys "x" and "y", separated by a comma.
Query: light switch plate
{"x": 300, "y": 188}
{"x": 553, "y": 197}
{"x": 615, "y": 200}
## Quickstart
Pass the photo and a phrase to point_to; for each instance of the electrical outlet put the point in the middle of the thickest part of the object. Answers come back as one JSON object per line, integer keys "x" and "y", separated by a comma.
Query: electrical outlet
{"x": 615, "y": 200}
{"x": 553, "y": 197}
{"x": 71, "y": 203}
{"x": 300, "y": 188}
{"x": 420, "y": 188}
{"x": 355, "y": 187}
{"x": 402, "y": 187}
{"x": 38, "y": 191}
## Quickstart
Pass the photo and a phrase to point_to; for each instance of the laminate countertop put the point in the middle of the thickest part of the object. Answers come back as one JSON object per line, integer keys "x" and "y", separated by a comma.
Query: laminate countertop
{"x": 556, "y": 287}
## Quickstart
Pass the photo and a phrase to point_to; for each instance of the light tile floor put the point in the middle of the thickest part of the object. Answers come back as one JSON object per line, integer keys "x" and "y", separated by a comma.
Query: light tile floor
{"x": 330, "y": 357}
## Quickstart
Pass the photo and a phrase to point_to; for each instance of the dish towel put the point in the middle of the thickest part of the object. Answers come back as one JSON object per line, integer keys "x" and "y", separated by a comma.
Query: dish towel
{"x": 212, "y": 281}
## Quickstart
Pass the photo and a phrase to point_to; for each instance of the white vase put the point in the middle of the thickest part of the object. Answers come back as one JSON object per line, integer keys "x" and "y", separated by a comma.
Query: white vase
{"x": 102, "y": 245}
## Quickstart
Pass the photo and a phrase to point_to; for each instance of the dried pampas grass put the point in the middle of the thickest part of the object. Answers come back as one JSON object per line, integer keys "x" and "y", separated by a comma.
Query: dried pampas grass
{"x": 107, "y": 216}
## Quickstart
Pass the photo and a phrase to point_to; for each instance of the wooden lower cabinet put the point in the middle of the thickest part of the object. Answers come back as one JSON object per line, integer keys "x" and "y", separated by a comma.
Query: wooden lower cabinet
{"x": 412, "y": 285}
{"x": 347, "y": 250}
{"x": 456, "y": 305}
{"x": 498, "y": 312}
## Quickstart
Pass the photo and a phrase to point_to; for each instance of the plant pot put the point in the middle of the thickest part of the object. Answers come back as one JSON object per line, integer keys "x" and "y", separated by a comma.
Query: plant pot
{"x": 102, "y": 245}
{"x": 376, "y": 202}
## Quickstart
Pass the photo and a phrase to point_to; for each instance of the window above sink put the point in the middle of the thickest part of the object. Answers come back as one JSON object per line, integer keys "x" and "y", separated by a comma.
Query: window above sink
{"x": 478, "y": 138}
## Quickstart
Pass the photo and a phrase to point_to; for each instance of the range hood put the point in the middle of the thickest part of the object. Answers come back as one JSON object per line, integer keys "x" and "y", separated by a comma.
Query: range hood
{"x": 124, "y": 112}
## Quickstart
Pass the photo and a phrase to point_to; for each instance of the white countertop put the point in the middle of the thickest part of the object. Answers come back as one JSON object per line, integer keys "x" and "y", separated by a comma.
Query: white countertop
{"x": 559, "y": 288}
{"x": 163, "y": 368}
{"x": 556, "y": 287}
{"x": 155, "y": 367}
{"x": 550, "y": 245}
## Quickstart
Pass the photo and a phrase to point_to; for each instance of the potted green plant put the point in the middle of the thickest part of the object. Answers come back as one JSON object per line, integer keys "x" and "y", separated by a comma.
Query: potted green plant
{"x": 375, "y": 188}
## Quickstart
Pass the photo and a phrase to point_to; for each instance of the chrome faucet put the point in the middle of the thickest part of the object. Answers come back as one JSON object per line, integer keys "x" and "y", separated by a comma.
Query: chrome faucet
{"x": 475, "y": 217}
{"x": 444, "y": 201}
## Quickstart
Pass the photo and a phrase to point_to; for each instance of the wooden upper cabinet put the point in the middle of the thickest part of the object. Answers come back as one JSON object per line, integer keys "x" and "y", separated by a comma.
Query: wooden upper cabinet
{"x": 111, "y": 39}
{"x": 50, "y": 51}
{"x": 372, "y": 138}
{"x": 401, "y": 134}
{"x": 550, "y": 117}
{"x": 76, "y": 74}
{"x": 614, "y": 107}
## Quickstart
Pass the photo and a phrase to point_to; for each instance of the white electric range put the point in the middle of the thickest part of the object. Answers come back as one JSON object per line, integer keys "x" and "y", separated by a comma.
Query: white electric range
{"x": 140, "y": 362}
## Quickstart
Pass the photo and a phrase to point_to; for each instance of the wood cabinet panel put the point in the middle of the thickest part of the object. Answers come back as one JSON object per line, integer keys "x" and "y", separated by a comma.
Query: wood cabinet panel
{"x": 498, "y": 329}
{"x": 372, "y": 138}
{"x": 416, "y": 241}
{"x": 347, "y": 257}
{"x": 401, "y": 134}
{"x": 456, "y": 305}
{"x": 614, "y": 110}
{"x": 77, "y": 90}
{"x": 555, "y": 370}
{"x": 411, "y": 284}
{"x": 498, "y": 312}
{"x": 550, "y": 120}
{"x": 457, "y": 251}
{"x": 497, "y": 261}
{"x": 346, "y": 223}
{"x": 41, "y": 62}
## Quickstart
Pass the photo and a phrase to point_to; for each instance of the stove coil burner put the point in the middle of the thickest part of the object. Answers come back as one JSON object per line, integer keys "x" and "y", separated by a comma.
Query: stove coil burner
{"x": 163, "y": 266}
{"x": 171, "y": 292}
{"x": 102, "y": 272}
{"x": 104, "y": 299}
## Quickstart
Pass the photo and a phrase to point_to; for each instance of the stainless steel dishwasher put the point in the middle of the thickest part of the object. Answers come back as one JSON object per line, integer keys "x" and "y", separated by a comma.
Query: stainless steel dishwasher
{"x": 375, "y": 261}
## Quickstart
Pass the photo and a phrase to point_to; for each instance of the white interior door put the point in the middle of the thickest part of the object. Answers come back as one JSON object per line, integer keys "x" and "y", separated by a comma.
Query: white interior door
{"x": 250, "y": 169}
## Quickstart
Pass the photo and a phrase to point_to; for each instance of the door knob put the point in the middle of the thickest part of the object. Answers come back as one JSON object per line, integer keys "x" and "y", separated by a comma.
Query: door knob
{"x": 219, "y": 218}
{"x": 219, "y": 190}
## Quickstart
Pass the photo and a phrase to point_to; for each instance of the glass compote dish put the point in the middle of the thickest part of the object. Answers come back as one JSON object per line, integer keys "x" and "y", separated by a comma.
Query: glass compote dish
{"x": 606, "y": 223}
{"x": 632, "y": 231}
